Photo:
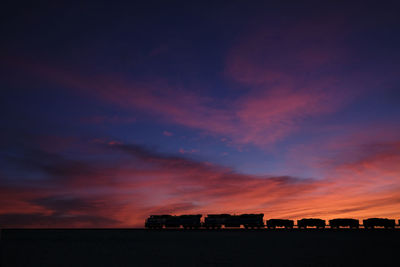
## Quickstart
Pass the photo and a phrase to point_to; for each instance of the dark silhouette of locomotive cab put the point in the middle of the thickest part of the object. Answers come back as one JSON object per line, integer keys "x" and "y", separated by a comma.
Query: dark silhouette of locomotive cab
{"x": 248, "y": 221}
{"x": 311, "y": 222}
{"x": 156, "y": 221}
{"x": 274, "y": 223}
{"x": 338, "y": 223}
{"x": 172, "y": 221}
{"x": 371, "y": 223}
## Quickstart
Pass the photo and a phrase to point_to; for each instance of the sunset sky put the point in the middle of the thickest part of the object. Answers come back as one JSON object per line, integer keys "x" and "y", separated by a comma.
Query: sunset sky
{"x": 112, "y": 112}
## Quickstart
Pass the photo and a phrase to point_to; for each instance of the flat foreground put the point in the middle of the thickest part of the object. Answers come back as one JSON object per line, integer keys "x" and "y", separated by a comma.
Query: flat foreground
{"x": 139, "y": 247}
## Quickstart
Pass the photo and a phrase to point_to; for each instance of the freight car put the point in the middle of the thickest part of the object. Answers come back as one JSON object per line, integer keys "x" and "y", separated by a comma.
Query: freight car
{"x": 274, "y": 223}
{"x": 311, "y": 222}
{"x": 248, "y": 221}
{"x": 371, "y": 223}
{"x": 338, "y": 223}
{"x": 252, "y": 220}
{"x": 172, "y": 221}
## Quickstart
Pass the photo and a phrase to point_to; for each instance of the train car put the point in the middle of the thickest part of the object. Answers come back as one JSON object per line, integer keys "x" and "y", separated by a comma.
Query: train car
{"x": 190, "y": 221}
{"x": 156, "y": 221}
{"x": 216, "y": 221}
{"x": 274, "y": 223}
{"x": 311, "y": 222}
{"x": 338, "y": 223}
{"x": 371, "y": 223}
{"x": 173, "y": 221}
{"x": 252, "y": 220}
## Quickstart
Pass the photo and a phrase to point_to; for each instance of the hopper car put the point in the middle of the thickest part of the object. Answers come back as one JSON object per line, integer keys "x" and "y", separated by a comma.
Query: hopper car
{"x": 275, "y": 223}
{"x": 339, "y": 223}
{"x": 372, "y": 223}
{"x": 311, "y": 222}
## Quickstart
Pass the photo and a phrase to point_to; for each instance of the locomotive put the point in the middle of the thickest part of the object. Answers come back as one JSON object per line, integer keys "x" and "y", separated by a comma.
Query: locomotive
{"x": 168, "y": 221}
{"x": 256, "y": 221}
{"x": 156, "y": 221}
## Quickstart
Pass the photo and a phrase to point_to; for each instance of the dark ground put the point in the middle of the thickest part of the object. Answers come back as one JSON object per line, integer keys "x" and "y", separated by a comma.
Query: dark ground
{"x": 139, "y": 247}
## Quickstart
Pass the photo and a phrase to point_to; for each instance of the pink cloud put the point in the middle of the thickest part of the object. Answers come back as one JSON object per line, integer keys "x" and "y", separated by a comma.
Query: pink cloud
{"x": 287, "y": 75}
{"x": 258, "y": 117}
{"x": 291, "y": 73}
{"x": 141, "y": 182}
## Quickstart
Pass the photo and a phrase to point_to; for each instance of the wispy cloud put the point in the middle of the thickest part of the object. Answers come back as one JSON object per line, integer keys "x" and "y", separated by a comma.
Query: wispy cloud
{"x": 129, "y": 182}
{"x": 258, "y": 117}
{"x": 140, "y": 182}
{"x": 284, "y": 75}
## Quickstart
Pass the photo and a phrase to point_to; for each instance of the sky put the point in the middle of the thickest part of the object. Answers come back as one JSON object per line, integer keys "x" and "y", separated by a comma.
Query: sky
{"x": 111, "y": 112}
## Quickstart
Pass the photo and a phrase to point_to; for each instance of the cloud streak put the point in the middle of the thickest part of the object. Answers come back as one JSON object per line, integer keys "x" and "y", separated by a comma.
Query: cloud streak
{"x": 258, "y": 117}
{"x": 93, "y": 192}
{"x": 283, "y": 75}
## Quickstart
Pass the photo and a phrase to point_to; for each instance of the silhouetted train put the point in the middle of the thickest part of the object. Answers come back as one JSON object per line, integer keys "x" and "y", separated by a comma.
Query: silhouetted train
{"x": 256, "y": 221}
